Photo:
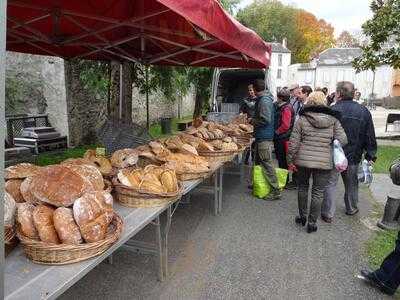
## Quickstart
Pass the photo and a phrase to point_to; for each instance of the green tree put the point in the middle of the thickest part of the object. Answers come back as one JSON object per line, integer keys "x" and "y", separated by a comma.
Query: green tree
{"x": 272, "y": 20}
{"x": 230, "y": 5}
{"x": 383, "y": 31}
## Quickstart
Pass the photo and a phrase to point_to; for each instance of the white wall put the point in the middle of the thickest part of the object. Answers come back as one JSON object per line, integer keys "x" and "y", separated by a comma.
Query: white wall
{"x": 328, "y": 76}
{"x": 283, "y": 81}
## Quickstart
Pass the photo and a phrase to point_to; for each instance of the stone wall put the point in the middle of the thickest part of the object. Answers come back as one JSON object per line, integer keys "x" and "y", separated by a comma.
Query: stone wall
{"x": 40, "y": 85}
{"x": 159, "y": 107}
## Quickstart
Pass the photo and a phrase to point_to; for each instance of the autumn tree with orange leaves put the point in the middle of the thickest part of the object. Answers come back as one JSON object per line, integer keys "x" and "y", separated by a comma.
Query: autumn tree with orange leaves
{"x": 306, "y": 34}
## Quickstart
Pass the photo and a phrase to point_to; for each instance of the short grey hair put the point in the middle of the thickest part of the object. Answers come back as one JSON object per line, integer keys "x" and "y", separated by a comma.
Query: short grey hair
{"x": 345, "y": 89}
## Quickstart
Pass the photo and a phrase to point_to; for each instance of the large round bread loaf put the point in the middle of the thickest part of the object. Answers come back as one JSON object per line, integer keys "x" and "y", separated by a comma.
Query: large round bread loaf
{"x": 93, "y": 213}
{"x": 89, "y": 174}
{"x": 12, "y": 187}
{"x": 43, "y": 221}
{"x": 58, "y": 185}
{"x": 66, "y": 228}
{"x": 21, "y": 171}
{"x": 25, "y": 220}
{"x": 26, "y": 193}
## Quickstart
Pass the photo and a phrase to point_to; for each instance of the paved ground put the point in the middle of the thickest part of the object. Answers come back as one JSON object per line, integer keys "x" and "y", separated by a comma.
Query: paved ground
{"x": 252, "y": 251}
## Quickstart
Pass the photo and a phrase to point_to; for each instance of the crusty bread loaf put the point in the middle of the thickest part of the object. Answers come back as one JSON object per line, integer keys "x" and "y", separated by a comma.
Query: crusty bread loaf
{"x": 188, "y": 149}
{"x": 93, "y": 213}
{"x": 66, "y": 228}
{"x": 25, "y": 220}
{"x": 21, "y": 171}
{"x": 58, "y": 185}
{"x": 169, "y": 180}
{"x": 12, "y": 187}
{"x": 103, "y": 164}
{"x": 43, "y": 220}
{"x": 91, "y": 175}
{"x": 26, "y": 191}
{"x": 124, "y": 158}
{"x": 78, "y": 161}
{"x": 9, "y": 209}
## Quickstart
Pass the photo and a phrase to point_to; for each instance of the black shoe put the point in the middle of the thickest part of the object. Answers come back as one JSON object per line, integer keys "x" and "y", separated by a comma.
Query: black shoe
{"x": 291, "y": 186}
{"x": 312, "y": 228}
{"x": 373, "y": 280}
{"x": 352, "y": 213}
{"x": 301, "y": 220}
{"x": 273, "y": 196}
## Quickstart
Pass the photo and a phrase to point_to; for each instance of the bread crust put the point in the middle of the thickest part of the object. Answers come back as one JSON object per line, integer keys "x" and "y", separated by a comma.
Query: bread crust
{"x": 43, "y": 221}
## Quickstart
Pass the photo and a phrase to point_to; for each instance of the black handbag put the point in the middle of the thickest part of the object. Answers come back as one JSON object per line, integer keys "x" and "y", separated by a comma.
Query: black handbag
{"x": 394, "y": 171}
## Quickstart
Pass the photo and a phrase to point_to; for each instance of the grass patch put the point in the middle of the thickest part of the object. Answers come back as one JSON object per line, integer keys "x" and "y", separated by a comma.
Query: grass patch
{"x": 155, "y": 129}
{"x": 379, "y": 246}
{"x": 55, "y": 158}
{"x": 386, "y": 155}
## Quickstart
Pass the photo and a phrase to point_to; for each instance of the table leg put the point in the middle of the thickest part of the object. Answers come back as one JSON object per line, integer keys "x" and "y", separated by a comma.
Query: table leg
{"x": 242, "y": 169}
{"x": 216, "y": 192}
{"x": 165, "y": 242}
{"x": 220, "y": 184}
{"x": 159, "y": 254}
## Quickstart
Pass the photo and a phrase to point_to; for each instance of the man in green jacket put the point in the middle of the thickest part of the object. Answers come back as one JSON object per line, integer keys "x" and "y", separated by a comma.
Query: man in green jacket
{"x": 264, "y": 129}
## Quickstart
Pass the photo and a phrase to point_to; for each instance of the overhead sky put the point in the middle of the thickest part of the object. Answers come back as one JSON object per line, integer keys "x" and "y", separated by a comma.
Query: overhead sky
{"x": 341, "y": 14}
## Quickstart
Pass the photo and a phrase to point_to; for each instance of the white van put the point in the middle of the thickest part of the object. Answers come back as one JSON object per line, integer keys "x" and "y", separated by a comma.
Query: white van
{"x": 229, "y": 87}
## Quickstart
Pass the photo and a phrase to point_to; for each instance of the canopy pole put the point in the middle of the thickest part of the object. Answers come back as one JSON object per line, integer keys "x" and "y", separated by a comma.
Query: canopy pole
{"x": 120, "y": 91}
{"x": 147, "y": 98}
{"x": 3, "y": 24}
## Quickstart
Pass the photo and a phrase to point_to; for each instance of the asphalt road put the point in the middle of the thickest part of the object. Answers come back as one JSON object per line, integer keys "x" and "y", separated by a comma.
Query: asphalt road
{"x": 253, "y": 250}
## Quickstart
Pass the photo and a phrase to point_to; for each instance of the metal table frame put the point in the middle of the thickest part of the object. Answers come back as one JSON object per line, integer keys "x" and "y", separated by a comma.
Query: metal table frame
{"x": 32, "y": 281}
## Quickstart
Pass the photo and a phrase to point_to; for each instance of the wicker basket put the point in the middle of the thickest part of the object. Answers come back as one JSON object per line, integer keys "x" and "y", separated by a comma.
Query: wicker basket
{"x": 135, "y": 198}
{"x": 220, "y": 156}
{"x": 62, "y": 254}
{"x": 10, "y": 239}
{"x": 192, "y": 176}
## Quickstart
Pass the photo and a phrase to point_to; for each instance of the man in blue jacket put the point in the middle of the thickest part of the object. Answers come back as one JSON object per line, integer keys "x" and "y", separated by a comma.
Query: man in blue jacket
{"x": 357, "y": 122}
{"x": 263, "y": 122}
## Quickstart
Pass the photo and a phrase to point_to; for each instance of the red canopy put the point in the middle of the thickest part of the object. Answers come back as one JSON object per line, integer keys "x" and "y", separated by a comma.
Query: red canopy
{"x": 165, "y": 32}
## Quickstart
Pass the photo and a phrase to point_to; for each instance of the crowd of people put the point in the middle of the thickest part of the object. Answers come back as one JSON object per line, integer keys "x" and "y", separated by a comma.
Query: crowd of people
{"x": 301, "y": 125}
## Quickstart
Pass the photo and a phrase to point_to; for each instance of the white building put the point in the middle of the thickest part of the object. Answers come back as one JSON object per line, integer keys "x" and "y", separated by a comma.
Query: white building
{"x": 334, "y": 65}
{"x": 279, "y": 67}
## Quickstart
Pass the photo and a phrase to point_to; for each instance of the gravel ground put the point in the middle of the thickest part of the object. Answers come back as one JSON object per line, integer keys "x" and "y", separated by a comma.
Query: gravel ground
{"x": 252, "y": 251}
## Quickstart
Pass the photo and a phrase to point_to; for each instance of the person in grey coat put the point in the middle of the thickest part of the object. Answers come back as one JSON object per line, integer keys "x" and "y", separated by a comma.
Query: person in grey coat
{"x": 310, "y": 154}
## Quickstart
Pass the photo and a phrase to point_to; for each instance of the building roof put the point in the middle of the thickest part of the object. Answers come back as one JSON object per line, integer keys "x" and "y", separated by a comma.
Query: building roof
{"x": 338, "y": 56}
{"x": 278, "y": 47}
{"x": 307, "y": 66}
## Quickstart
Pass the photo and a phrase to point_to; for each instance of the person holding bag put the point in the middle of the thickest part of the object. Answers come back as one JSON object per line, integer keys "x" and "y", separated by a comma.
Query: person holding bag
{"x": 310, "y": 154}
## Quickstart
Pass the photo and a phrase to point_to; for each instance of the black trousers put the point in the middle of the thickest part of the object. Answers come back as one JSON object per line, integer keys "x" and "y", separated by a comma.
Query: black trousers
{"x": 280, "y": 153}
{"x": 389, "y": 272}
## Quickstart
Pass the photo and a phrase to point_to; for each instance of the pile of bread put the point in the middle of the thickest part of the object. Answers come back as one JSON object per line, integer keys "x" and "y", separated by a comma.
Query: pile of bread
{"x": 151, "y": 179}
{"x": 60, "y": 204}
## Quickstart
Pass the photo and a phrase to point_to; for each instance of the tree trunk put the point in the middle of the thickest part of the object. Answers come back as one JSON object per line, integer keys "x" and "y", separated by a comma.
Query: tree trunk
{"x": 85, "y": 113}
{"x": 114, "y": 91}
{"x": 127, "y": 82}
{"x": 198, "y": 105}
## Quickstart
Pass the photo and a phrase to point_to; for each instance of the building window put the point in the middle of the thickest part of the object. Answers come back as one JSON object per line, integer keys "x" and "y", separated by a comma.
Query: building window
{"x": 280, "y": 60}
{"x": 279, "y": 75}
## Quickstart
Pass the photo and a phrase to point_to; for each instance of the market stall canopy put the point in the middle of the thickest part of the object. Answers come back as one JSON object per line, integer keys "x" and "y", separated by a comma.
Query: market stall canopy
{"x": 163, "y": 32}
